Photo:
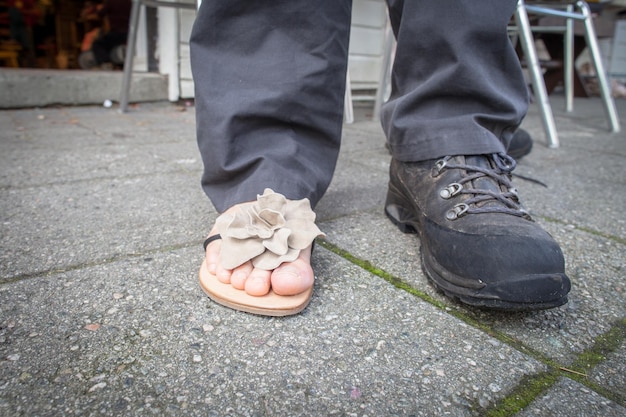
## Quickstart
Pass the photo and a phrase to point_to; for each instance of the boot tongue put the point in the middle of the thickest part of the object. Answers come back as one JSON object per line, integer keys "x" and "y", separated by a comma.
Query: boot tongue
{"x": 484, "y": 182}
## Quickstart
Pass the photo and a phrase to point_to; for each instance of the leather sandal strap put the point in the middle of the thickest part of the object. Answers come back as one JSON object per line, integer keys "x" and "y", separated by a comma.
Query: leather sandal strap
{"x": 211, "y": 239}
{"x": 218, "y": 236}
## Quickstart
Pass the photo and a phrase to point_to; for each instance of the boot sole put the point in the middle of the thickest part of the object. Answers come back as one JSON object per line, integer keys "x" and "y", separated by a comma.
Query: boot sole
{"x": 408, "y": 222}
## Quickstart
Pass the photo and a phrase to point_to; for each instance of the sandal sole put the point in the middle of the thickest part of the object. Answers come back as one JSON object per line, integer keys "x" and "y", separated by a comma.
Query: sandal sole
{"x": 271, "y": 304}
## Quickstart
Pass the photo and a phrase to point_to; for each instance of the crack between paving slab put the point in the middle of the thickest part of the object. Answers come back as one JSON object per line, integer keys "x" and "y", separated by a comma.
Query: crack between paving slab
{"x": 531, "y": 386}
{"x": 100, "y": 262}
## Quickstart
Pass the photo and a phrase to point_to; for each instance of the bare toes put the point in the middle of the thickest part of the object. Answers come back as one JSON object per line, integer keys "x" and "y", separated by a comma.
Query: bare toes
{"x": 239, "y": 275}
{"x": 258, "y": 282}
{"x": 223, "y": 275}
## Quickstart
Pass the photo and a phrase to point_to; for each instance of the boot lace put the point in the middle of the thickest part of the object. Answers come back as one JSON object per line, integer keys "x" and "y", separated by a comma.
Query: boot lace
{"x": 495, "y": 196}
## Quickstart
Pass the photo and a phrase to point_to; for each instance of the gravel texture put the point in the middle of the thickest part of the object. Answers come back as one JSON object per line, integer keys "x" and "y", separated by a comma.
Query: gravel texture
{"x": 101, "y": 223}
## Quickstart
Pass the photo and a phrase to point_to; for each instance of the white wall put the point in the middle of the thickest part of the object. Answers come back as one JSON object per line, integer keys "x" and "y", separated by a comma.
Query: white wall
{"x": 367, "y": 41}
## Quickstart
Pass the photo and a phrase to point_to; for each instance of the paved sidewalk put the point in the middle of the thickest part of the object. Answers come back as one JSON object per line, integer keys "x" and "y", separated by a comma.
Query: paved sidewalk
{"x": 101, "y": 223}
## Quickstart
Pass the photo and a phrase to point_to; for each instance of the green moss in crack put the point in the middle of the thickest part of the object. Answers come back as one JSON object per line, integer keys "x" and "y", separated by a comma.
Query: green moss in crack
{"x": 529, "y": 388}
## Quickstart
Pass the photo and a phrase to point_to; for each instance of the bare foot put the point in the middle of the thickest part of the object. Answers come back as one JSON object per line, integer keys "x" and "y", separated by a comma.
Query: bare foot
{"x": 289, "y": 278}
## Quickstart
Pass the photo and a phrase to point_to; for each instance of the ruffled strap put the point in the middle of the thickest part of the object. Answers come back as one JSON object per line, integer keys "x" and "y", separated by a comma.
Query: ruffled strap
{"x": 268, "y": 232}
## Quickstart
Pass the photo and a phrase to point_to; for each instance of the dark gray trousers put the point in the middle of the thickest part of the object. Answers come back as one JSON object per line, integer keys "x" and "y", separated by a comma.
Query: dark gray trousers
{"x": 270, "y": 82}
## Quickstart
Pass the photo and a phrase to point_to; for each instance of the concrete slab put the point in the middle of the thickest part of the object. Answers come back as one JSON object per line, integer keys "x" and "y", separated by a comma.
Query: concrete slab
{"x": 63, "y": 226}
{"x": 37, "y": 88}
{"x": 85, "y": 180}
{"x": 137, "y": 334}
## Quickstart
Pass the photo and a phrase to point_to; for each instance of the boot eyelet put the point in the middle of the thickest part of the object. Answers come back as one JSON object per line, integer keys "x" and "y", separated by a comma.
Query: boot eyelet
{"x": 457, "y": 211}
{"x": 439, "y": 166}
{"x": 451, "y": 190}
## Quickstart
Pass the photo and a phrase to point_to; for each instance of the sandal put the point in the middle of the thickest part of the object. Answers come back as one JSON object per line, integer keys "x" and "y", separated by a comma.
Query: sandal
{"x": 268, "y": 232}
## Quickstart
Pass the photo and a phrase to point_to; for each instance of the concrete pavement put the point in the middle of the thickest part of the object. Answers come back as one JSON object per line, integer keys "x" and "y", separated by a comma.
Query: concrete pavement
{"x": 101, "y": 223}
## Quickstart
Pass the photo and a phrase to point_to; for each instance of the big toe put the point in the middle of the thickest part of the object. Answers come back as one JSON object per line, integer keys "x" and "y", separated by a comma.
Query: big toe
{"x": 292, "y": 278}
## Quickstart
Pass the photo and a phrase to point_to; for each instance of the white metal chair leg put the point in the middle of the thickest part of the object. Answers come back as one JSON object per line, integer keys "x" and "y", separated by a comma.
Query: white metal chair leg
{"x": 605, "y": 89}
{"x": 536, "y": 74}
{"x": 584, "y": 15}
{"x": 130, "y": 54}
{"x": 348, "y": 109}
{"x": 385, "y": 72}
{"x": 568, "y": 65}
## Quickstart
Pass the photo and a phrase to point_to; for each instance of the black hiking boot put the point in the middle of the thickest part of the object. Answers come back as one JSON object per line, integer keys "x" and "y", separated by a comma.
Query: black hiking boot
{"x": 477, "y": 243}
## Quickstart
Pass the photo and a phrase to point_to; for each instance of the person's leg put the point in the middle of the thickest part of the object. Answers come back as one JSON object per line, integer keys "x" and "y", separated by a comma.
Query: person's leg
{"x": 457, "y": 97}
{"x": 455, "y": 70}
{"x": 270, "y": 80}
